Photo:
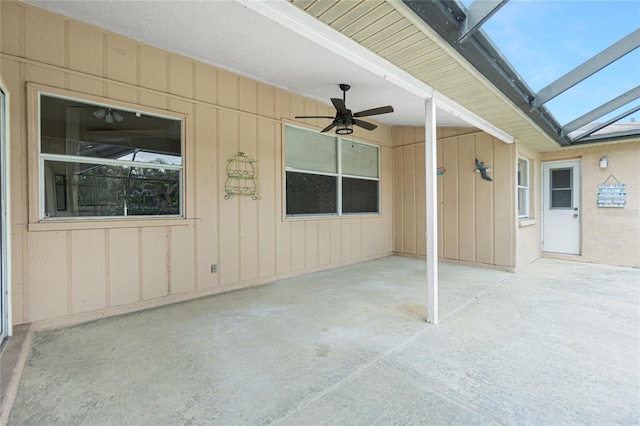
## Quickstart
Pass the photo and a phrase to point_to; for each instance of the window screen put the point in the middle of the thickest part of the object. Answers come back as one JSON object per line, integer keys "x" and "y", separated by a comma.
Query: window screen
{"x": 359, "y": 196}
{"x": 311, "y": 194}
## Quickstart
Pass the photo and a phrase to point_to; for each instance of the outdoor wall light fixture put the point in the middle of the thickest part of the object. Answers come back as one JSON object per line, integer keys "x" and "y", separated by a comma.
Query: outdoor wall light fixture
{"x": 108, "y": 114}
{"x": 344, "y": 127}
{"x": 604, "y": 162}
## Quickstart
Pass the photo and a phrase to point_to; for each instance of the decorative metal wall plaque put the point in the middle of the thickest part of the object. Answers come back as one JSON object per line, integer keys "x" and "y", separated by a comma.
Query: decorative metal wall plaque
{"x": 242, "y": 177}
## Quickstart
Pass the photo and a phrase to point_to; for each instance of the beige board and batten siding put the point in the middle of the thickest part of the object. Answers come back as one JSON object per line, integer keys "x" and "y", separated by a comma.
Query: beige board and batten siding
{"x": 609, "y": 235}
{"x": 66, "y": 271}
{"x": 476, "y": 218}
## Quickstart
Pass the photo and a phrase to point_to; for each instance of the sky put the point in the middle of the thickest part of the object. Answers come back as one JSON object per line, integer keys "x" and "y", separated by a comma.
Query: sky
{"x": 544, "y": 39}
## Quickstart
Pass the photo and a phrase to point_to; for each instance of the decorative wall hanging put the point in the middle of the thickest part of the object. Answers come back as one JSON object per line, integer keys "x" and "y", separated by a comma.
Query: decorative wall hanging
{"x": 612, "y": 194}
{"x": 440, "y": 171}
{"x": 242, "y": 177}
{"x": 483, "y": 170}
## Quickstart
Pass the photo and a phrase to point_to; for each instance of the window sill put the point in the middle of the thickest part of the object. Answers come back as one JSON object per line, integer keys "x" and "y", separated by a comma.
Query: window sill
{"x": 331, "y": 217}
{"x": 66, "y": 225}
{"x": 526, "y": 222}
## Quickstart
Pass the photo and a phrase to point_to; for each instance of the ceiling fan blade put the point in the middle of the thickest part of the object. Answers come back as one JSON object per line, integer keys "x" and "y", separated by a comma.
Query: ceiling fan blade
{"x": 364, "y": 124}
{"x": 329, "y": 127}
{"x": 339, "y": 105}
{"x": 313, "y": 116}
{"x": 374, "y": 111}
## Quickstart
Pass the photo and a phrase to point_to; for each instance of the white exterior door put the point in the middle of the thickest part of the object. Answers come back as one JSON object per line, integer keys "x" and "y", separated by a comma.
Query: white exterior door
{"x": 561, "y": 211}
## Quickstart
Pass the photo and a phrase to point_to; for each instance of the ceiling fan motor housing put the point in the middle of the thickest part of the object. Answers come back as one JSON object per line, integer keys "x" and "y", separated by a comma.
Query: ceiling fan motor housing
{"x": 345, "y": 119}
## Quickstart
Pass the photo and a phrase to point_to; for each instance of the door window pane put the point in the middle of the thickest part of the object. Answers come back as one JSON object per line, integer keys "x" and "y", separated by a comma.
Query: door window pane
{"x": 561, "y": 198}
{"x": 561, "y": 189}
{"x": 561, "y": 178}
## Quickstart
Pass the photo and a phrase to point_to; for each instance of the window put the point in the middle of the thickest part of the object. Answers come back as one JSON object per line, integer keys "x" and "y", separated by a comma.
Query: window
{"x": 523, "y": 188}
{"x": 328, "y": 175}
{"x": 561, "y": 188}
{"x": 101, "y": 161}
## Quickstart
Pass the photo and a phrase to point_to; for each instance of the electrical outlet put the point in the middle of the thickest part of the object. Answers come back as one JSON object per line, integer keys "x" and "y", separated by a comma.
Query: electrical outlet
{"x": 214, "y": 268}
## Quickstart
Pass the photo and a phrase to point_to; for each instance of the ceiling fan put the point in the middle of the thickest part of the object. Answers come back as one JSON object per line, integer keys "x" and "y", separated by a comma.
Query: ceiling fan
{"x": 345, "y": 120}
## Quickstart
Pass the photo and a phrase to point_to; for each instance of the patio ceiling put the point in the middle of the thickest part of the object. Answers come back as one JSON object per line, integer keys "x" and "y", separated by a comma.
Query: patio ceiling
{"x": 231, "y": 34}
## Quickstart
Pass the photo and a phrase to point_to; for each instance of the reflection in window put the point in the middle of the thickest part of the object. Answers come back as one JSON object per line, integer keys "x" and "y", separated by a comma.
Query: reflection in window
{"x": 99, "y": 161}
{"x": 61, "y": 192}
{"x": 110, "y": 190}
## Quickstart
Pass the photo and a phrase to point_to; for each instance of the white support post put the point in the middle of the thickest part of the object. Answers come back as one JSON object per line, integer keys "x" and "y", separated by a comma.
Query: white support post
{"x": 431, "y": 169}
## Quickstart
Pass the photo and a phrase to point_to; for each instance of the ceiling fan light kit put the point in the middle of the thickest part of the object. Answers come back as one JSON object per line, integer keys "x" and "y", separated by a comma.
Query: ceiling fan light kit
{"x": 109, "y": 115}
{"x": 344, "y": 127}
{"x": 344, "y": 119}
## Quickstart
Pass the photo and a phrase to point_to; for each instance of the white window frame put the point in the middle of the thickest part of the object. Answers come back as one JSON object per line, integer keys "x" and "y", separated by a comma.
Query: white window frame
{"x": 526, "y": 187}
{"x": 42, "y": 157}
{"x": 339, "y": 175}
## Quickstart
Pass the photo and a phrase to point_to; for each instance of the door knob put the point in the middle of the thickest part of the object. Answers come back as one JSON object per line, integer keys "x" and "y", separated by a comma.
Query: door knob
{"x": 575, "y": 208}
{"x": 575, "y": 215}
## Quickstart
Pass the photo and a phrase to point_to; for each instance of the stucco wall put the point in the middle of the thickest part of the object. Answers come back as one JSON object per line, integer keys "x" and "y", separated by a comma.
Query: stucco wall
{"x": 609, "y": 235}
{"x": 476, "y": 218}
{"x": 66, "y": 271}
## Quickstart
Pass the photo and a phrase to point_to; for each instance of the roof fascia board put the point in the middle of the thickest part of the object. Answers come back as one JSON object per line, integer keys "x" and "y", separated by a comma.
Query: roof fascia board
{"x": 588, "y": 68}
{"x": 603, "y": 109}
{"x": 302, "y": 23}
{"x": 477, "y": 14}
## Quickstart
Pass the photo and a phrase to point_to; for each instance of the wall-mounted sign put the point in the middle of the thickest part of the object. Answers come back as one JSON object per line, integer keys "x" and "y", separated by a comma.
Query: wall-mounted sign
{"x": 612, "y": 195}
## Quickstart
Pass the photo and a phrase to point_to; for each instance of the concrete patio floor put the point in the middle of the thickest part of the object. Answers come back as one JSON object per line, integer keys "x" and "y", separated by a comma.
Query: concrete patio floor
{"x": 557, "y": 343}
